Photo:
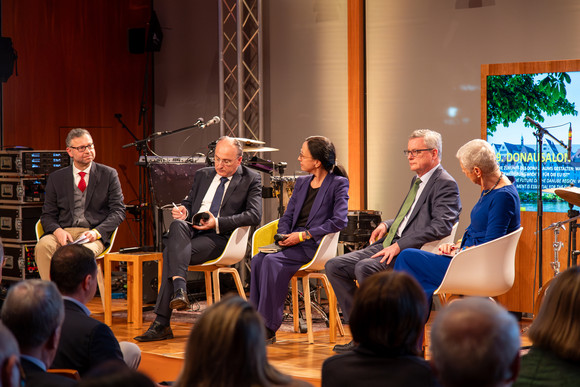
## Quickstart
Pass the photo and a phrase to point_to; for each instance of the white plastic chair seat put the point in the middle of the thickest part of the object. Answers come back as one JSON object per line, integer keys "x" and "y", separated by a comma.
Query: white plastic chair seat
{"x": 233, "y": 253}
{"x": 433, "y": 247}
{"x": 486, "y": 270}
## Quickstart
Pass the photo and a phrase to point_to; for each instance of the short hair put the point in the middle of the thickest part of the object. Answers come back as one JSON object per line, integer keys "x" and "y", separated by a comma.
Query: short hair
{"x": 432, "y": 139}
{"x": 556, "y": 327}
{"x": 234, "y": 142}
{"x": 69, "y": 267}
{"x": 33, "y": 311}
{"x": 474, "y": 342}
{"x": 389, "y": 313}
{"x": 478, "y": 153}
{"x": 9, "y": 346}
{"x": 75, "y": 133}
{"x": 226, "y": 347}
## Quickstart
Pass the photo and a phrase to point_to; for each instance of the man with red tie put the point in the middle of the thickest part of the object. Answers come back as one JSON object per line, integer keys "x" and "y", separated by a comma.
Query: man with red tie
{"x": 82, "y": 201}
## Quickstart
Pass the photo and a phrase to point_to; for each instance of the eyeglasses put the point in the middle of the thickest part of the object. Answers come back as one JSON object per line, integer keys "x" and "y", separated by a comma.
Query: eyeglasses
{"x": 302, "y": 157}
{"x": 83, "y": 148}
{"x": 415, "y": 152}
{"x": 227, "y": 163}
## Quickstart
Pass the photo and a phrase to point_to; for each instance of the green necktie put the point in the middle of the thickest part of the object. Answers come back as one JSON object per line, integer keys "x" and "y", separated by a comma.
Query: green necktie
{"x": 402, "y": 213}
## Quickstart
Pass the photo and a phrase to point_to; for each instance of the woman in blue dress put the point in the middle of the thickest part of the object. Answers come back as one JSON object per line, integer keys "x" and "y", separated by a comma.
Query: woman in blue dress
{"x": 318, "y": 206}
{"x": 497, "y": 213}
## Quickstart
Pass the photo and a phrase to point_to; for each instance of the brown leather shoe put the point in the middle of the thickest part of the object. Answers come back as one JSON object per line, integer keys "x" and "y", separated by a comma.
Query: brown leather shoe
{"x": 180, "y": 301}
{"x": 156, "y": 332}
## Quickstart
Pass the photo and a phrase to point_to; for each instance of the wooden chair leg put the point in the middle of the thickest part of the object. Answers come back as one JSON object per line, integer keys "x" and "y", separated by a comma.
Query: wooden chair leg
{"x": 333, "y": 316}
{"x": 295, "y": 306}
{"x": 106, "y": 295}
{"x": 237, "y": 280}
{"x": 308, "y": 307}
{"x": 208, "y": 291}
{"x": 101, "y": 280}
{"x": 217, "y": 296}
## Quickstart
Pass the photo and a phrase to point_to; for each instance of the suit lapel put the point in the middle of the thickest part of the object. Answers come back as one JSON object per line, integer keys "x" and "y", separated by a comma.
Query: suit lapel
{"x": 202, "y": 190}
{"x": 94, "y": 178}
{"x": 236, "y": 178}
{"x": 69, "y": 182}
{"x": 424, "y": 193}
{"x": 320, "y": 196}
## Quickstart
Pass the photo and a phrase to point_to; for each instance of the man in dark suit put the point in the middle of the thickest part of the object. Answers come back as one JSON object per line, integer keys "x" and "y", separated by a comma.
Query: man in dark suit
{"x": 434, "y": 209}
{"x": 81, "y": 200}
{"x": 230, "y": 195}
{"x": 34, "y": 312}
{"x": 84, "y": 342}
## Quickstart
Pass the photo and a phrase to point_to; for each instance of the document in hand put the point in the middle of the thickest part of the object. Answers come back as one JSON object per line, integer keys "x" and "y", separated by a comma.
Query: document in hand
{"x": 271, "y": 248}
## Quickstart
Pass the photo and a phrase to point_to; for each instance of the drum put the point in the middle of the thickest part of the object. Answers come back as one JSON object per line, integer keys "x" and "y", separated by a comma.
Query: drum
{"x": 360, "y": 226}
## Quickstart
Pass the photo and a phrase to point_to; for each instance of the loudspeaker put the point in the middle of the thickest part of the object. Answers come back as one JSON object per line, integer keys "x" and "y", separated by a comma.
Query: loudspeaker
{"x": 150, "y": 282}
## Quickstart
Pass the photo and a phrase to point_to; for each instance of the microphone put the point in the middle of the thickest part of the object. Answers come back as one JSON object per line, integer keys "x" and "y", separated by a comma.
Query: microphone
{"x": 118, "y": 115}
{"x": 199, "y": 122}
{"x": 570, "y": 143}
{"x": 214, "y": 120}
{"x": 533, "y": 122}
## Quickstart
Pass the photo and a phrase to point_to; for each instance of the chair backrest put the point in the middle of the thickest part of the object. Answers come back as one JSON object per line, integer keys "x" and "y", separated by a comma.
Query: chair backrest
{"x": 486, "y": 270}
{"x": 264, "y": 236}
{"x": 433, "y": 247}
{"x": 326, "y": 250}
{"x": 235, "y": 249}
{"x": 39, "y": 230}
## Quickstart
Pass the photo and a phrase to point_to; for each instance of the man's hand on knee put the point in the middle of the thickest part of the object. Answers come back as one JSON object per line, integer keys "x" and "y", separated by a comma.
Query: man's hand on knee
{"x": 63, "y": 237}
{"x": 388, "y": 253}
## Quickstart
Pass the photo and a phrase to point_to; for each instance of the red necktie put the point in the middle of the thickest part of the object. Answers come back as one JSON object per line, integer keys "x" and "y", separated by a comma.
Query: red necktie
{"x": 82, "y": 182}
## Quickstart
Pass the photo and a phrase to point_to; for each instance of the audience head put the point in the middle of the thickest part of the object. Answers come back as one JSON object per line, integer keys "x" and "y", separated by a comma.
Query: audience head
{"x": 432, "y": 139}
{"x": 323, "y": 150}
{"x": 73, "y": 268}
{"x": 34, "y": 312}
{"x": 115, "y": 374}
{"x": 9, "y": 359}
{"x": 475, "y": 342}
{"x": 226, "y": 347}
{"x": 556, "y": 328}
{"x": 478, "y": 153}
{"x": 388, "y": 313}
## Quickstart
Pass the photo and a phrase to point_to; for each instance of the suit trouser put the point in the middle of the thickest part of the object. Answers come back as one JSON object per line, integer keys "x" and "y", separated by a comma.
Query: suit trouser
{"x": 48, "y": 244}
{"x": 342, "y": 271}
{"x": 184, "y": 246}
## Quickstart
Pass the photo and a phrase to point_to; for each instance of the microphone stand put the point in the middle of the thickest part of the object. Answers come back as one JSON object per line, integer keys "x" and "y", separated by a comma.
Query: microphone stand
{"x": 539, "y": 134}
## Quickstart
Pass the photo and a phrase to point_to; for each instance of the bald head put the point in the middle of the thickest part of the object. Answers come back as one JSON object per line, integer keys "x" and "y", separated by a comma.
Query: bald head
{"x": 475, "y": 342}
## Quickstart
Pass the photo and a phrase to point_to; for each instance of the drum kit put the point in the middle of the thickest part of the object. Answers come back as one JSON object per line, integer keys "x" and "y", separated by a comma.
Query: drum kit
{"x": 572, "y": 196}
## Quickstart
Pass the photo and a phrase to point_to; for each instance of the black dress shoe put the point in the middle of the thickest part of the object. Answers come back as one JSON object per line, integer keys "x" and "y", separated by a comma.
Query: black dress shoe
{"x": 179, "y": 300}
{"x": 270, "y": 336}
{"x": 156, "y": 332}
{"x": 340, "y": 348}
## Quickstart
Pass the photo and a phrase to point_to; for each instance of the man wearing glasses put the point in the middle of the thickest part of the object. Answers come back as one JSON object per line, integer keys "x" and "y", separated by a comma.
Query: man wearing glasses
{"x": 428, "y": 213}
{"x": 229, "y": 195}
{"x": 83, "y": 202}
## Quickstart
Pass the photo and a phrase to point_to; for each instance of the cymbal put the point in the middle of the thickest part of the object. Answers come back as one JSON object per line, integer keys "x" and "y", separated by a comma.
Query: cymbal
{"x": 249, "y": 142}
{"x": 250, "y": 149}
{"x": 569, "y": 194}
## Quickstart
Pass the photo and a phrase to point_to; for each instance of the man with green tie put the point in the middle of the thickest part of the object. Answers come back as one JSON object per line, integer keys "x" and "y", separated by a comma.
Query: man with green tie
{"x": 428, "y": 213}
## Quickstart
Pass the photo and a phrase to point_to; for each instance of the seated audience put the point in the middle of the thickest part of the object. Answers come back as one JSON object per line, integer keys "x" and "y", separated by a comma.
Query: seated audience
{"x": 554, "y": 359}
{"x": 226, "y": 348}
{"x": 84, "y": 341}
{"x": 34, "y": 312}
{"x": 318, "y": 206}
{"x": 113, "y": 374}
{"x": 497, "y": 213}
{"x": 387, "y": 321}
{"x": 475, "y": 342}
{"x": 9, "y": 359}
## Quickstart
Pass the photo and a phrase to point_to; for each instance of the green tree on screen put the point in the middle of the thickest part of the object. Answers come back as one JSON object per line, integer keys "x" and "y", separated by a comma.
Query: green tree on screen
{"x": 510, "y": 97}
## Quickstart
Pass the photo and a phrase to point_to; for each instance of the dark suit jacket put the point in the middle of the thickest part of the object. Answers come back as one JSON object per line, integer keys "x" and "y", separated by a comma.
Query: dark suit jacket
{"x": 37, "y": 377}
{"x": 242, "y": 202}
{"x": 329, "y": 210}
{"x": 435, "y": 213}
{"x": 104, "y": 207}
{"x": 84, "y": 341}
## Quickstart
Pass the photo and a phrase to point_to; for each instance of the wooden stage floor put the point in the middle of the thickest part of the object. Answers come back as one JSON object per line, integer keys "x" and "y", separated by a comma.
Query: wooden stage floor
{"x": 162, "y": 360}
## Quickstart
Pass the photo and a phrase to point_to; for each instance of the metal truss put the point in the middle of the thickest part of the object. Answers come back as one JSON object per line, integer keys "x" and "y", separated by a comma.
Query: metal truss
{"x": 241, "y": 73}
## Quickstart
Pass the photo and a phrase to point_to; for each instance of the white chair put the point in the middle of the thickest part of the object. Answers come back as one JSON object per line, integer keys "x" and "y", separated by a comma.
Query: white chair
{"x": 433, "y": 247}
{"x": 100, "y": 278}
{"x": 326, "y": 250}
{"x": 233, "y": 253}
{"x": 486, "y": 270}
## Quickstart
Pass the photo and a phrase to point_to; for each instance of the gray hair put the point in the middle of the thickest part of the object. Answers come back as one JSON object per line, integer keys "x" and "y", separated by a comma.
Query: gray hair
{"x": 478, "y": 153}
{"x": 432, "y": 139}
{"x": 75, "y": 133}
{"x": 474, "y": 342}
{"x": 33, "y": 311}
{"x": 234, "y": 142}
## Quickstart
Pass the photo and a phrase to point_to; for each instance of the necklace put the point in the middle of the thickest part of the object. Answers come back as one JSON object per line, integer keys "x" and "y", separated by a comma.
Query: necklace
{"x": 484, "y": 192}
